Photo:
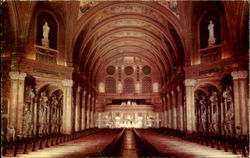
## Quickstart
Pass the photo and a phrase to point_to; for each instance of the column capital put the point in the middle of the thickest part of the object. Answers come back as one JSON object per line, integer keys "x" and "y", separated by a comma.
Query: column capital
{"x": 14, "y": 75}
{"x": 22, "y": 75}
{"x": 67, "y": 83}
{"x": 190, "y": 82}
{"x": 239, "y": 74}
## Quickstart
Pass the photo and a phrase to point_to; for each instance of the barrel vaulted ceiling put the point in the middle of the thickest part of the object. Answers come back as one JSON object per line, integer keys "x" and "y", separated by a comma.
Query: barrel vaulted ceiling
{"x": 107, "y": 31}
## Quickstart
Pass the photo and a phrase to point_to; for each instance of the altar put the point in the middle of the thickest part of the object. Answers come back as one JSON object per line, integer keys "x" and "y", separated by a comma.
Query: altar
{"x": 128, "y": 115}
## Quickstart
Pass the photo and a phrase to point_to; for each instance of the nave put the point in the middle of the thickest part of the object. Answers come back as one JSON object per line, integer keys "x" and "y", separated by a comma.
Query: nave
{"x": 129, "y": 143}
{"x": 174, "y": 74}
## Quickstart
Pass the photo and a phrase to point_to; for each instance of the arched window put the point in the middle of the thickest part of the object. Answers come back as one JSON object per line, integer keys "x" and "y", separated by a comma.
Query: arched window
{"x": 146, "y": 85}
{"x": 128, "y": 86}
{"x": 47, "y": 19}
{"x": 110, "y": 85}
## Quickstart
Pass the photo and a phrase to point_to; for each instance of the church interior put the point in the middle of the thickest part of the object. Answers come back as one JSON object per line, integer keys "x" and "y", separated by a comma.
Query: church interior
{"x": 125, "y": 78}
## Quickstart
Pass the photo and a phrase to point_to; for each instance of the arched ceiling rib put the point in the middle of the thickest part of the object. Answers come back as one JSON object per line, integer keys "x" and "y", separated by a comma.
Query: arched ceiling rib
{"x": 139, "y": 50}
{"x": 124, "y": 28}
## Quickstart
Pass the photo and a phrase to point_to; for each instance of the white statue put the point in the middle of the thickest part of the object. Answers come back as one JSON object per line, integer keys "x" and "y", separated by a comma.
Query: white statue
{"x": 29, "y": 97}
{"x": 27, "y": 118}
{"x": 211, "y": 39}
{"x": 214, "y": 104}
{"x": 46, "y": 29}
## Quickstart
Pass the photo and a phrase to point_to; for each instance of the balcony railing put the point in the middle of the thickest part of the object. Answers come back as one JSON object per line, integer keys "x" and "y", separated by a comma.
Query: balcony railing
{"x": 45, "y": 54}
{"x": 211, "y": 54}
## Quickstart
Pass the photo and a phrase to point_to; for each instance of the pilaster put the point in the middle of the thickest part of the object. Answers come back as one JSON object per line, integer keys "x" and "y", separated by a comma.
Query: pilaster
{"x": 190, "y": 109}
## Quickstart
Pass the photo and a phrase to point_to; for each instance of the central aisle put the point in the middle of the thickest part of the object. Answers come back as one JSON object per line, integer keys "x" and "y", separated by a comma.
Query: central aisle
{"x": 129, "y": 148}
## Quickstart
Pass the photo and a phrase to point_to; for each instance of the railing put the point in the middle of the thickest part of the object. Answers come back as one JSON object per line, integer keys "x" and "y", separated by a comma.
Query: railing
{"x": 211, "y": 54}
{"x": 45, "y": 54}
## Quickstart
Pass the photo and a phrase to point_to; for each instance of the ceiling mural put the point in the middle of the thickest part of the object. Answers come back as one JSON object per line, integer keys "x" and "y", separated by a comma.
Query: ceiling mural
{"x": 172, "y": 6}
{"x": 85, "y": 6}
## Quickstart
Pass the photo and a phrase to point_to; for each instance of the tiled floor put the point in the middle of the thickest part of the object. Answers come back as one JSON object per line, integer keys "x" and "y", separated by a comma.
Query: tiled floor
{"x": 177, "y": 147}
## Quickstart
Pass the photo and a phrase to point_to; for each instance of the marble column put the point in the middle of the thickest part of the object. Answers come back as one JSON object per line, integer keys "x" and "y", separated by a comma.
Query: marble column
{"x": 169, "y": 111}
{"x": 92, "y": 112}
{"x": 157, "y": 120}
{"x": 166, "y": 111}
{"x": 180, "y": 107}
{"x": 77, "y": 110}
{"x": 83, "y": 108}
{"x": 163, "y": 111}
{"x": 88, "y": 111}
{"x": 174, "y": 113}
{"x": 67, "y": 106}
{"x": 99, "y": 119}
{"x": 190, "y": 107}
{"x": 16, "y": 101}
{"x": 240, "y": 88}
{"x": 145, "y": 120}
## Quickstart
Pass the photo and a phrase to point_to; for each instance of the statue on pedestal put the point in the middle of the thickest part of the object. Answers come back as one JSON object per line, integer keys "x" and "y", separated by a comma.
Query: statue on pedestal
{"x": 214, "y": 104}
{"x": 11, "y": 133}
{"x": 45, "y": 40}
{"x": 203, "y": 113}
{"x": 211, "y": 39}
{"x": 228, "y": 103}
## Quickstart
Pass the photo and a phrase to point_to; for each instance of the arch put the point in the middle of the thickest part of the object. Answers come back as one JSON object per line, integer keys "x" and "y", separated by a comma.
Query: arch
{"x": 93, "y": 48}
{"x": 49, "y": 110}
{"x": 215, "y": 84}
{"x": 155, "y": 7}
